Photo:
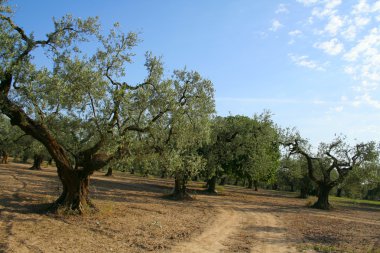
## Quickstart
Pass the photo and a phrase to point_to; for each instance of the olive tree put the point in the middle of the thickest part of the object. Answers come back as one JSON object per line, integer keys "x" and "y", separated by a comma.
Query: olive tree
{"x": 243, "y": 147}
{"x": 332, "y": 163}
{"x": 78, "y": 106}
{"x": 179, "y": 135}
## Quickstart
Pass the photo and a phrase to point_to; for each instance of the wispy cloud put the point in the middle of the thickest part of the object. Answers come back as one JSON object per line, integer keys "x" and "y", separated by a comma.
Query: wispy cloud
{"x": 350, "y": 33}
{"x": 307, "y": 2}
{"x": 295, "y": 33}
{"x": 331, "y": 47}
{"x": 281, "y": 8}
{"x": 276, "y": 25}
{"x": 334, "y": 25}
{"x": 304, "y": 61}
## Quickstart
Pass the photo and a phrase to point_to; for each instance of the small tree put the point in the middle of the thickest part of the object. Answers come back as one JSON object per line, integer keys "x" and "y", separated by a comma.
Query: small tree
{"x": 335, "y": 157}
{"x": 293, "y": 173}
{"x": 179, "y": 135}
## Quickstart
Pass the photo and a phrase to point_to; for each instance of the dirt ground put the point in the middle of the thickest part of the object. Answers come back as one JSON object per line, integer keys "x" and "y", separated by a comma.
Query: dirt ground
{"x": 135, "y": 217}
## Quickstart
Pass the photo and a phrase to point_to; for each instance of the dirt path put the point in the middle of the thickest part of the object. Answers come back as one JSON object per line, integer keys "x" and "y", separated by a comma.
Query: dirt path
{"x": 240, "y": 227}
{"x": 211, "y": 240}
{"x": 270, "y": 234}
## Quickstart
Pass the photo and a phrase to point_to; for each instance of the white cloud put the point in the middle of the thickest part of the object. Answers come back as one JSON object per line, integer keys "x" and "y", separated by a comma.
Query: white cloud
{"x": 350, "y": 70}
{"x": 337, "y": 109}
{"x": 367, "y": 47}
{"x": 328, "y": 9}
{"x": 350, "y": 32}
{"x": 367, "y": 99}
{"x": 276, "y": 24}
{"x": 334, "y": 24}
{"x": 295, "y": 33}
{"x": 307, "y": 2}
{"x": 331, "y": 47}
{"x": 304, "y": 61}
{"x": 376, "y": 6}
{"x": 362, "y": 21}
{"x": 281, "y": 8}
{"x": 361, "y": 7}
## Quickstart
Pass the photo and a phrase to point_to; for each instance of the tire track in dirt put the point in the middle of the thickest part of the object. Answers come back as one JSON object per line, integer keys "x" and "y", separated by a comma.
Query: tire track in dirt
{"x": 7, "y": 217}
{"x": 211, "y": 239}
{"x": 269, "y": 234}
{"x": 240, "y": 227}
{"x": 8, "y": 239}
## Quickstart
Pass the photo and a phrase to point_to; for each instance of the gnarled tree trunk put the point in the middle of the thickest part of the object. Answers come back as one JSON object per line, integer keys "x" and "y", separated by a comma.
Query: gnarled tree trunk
{"x": 222, "y": 181}
{"x": 180, "y": 190}
{"x": 303, "y": 193}
{"x": 37, "y": 161}
{"x": 75, "y": 194}
{"x": 339, "y": 192}
{"x": 323, "y": 197}
{"x": 109, "y": 172}
{"x": 4, "y": 157}
{"x": 255, "y": 184}
{"x": 211, "y": 185}
{"x": 250, "y": 183}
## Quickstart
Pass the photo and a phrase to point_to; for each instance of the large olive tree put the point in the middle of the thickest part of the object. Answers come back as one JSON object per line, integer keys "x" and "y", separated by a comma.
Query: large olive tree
{"x": 332, "y": 163}
{"x": 78, "y": 104}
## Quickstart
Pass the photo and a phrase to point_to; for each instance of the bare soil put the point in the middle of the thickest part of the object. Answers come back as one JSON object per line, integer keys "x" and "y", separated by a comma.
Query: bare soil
{"x": 135, "y": 217}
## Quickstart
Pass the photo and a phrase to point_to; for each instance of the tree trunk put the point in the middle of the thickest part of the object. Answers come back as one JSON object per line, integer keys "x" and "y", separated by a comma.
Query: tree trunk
{"x": 339, "y": 192}
{"x": 250, "y": 183}
{"x": 180, "y": 190}
{"x": 24, "y": 158}
{"x": 74, "y": 181}
{"x": 211, "y": 185}
{"x": 75, "y": 194}
{"x": 109, "y": 172}
{"x": 255, "y": 184}
{"x": 37, "y": 161}
{"x": 304, "y": 193}
{"x": 163, "y": 173}
{"x": 222, "y": 181}
{"x": 292, "y": 187}
{"x": 323, "y": 198}
{"x": 4, "y": 158}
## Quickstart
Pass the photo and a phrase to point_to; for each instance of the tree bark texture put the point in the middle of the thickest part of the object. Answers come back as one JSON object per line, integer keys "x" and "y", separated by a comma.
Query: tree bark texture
{"x": 250, "y": 183}
{"x": 323, "y": 197}
{"x": 4, "y": 157}
{"x": 339, "y": 192}
{"x": 109, "y": 172}
{"x": 211, "y": 185}
{"x": 37, "y": 161}
{"x": 180, "y": 190}
{"x": 255, "y": 184}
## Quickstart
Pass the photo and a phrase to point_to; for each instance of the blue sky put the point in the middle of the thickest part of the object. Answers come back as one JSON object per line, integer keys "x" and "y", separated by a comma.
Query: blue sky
{"x": 314, "y": 63}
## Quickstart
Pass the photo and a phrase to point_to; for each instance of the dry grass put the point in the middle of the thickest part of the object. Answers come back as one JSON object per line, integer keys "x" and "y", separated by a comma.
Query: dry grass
{"x": 134, "y": 217}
